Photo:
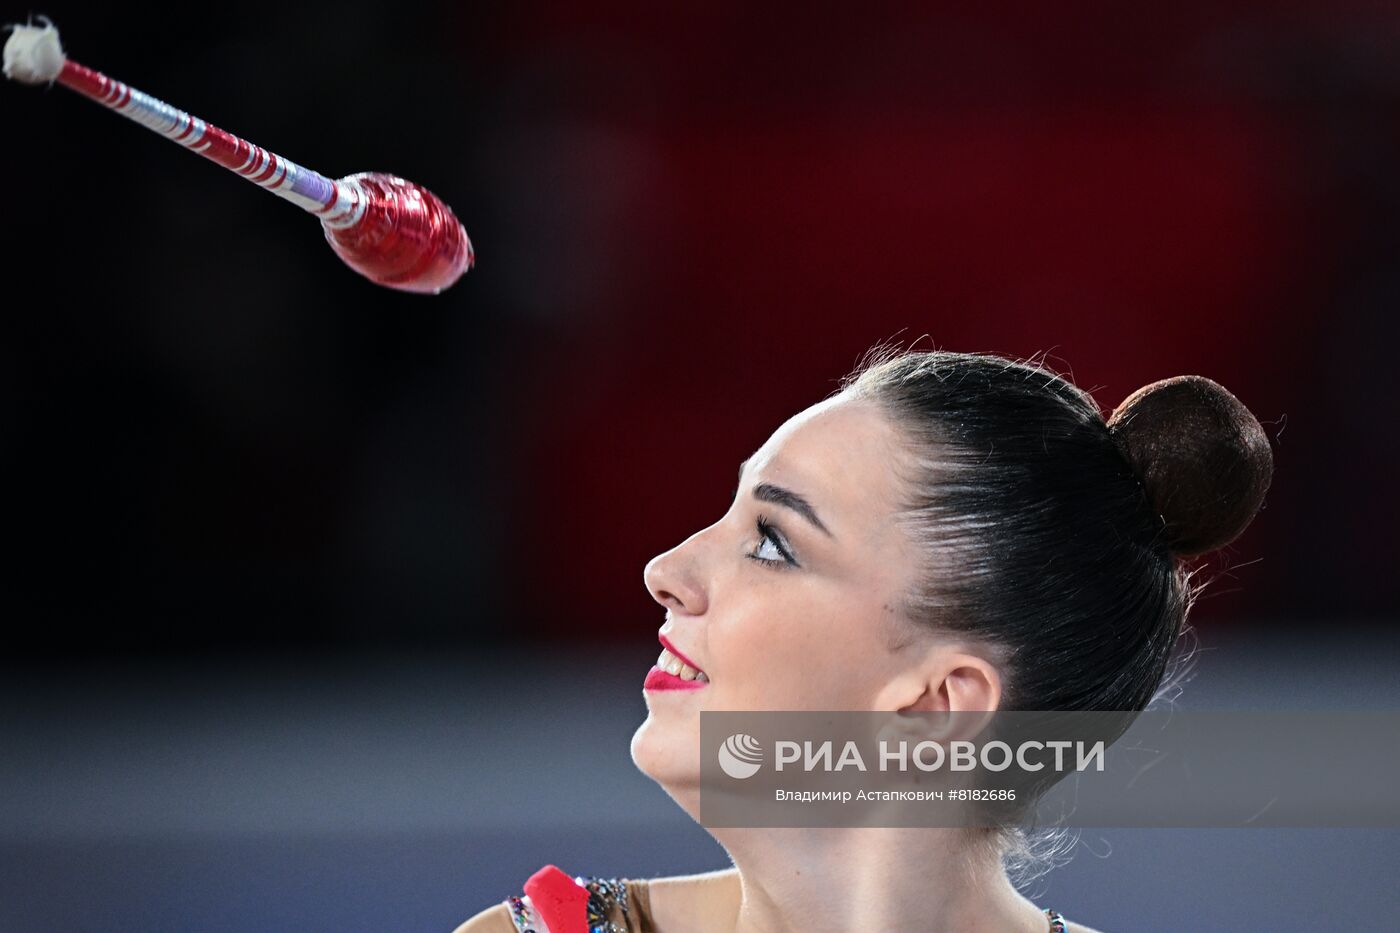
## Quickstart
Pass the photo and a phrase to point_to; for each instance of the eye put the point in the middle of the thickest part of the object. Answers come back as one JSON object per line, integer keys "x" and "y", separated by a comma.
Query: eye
{"x": 771, "y": 542}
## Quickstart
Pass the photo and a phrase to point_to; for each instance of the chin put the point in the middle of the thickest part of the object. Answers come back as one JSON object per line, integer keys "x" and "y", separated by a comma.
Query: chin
{"x": 668, "y": 756}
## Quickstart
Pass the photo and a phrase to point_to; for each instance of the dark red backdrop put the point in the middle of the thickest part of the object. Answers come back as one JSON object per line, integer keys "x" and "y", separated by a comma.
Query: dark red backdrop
{"x": 690, "y": 223}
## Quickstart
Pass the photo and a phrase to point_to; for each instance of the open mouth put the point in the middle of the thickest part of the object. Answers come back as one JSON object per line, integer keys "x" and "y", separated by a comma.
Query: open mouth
{"x": 678, "y": 665}
{"x": 674, "y": 666}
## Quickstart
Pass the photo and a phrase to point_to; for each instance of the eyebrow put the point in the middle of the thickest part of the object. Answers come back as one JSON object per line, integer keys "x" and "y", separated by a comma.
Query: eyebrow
{"x": 767, "y": 492}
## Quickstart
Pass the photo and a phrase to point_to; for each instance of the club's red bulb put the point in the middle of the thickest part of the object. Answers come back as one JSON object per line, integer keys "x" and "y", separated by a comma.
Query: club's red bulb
{"x": 407, "y": 238}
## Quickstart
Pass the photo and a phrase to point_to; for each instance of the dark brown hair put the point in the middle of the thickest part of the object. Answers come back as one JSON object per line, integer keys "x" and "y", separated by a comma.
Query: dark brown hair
{"x": 1055, "y": 534}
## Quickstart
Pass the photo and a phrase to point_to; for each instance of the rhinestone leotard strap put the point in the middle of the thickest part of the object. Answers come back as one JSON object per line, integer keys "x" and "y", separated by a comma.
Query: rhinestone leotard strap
{"x": 604, "y": 894}
{"x": 522, "y": 914}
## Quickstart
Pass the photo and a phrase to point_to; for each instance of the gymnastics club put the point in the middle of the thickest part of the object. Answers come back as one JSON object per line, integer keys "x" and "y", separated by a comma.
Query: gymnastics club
{"x": 391, "y": 231}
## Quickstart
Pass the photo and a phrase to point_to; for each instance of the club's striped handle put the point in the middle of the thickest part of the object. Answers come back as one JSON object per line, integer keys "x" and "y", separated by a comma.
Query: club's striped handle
{"x": 338, "y": 204}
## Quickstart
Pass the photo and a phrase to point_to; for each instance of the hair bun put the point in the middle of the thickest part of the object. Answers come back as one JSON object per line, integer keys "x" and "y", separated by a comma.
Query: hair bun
{"x": 1201, "y": 455}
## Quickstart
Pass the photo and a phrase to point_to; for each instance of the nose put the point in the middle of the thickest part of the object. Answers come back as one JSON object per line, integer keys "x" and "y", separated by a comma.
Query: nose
{"x": 672, "y": 581}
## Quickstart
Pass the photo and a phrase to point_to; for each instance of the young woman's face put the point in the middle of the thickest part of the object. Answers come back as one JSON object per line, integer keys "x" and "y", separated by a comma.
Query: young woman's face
{"x": 800, "y": 613}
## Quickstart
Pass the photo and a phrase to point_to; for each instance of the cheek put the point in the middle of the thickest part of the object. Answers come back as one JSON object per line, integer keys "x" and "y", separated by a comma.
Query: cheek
{"x": 809, "y": 654}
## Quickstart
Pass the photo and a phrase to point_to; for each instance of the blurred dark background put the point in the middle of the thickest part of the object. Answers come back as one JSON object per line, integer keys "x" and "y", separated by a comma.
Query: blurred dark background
{"x": 233, "y": 462}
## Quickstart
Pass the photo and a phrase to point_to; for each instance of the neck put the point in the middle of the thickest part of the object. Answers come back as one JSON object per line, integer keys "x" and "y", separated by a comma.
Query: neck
{"x": 873, "y": 878}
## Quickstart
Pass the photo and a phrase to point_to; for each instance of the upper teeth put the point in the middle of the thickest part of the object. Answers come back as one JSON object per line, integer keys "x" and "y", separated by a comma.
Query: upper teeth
{"x": 671, "y": 664}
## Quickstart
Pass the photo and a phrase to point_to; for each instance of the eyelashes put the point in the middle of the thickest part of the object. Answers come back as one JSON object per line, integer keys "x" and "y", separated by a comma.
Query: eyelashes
{"x": 769, "y": 535}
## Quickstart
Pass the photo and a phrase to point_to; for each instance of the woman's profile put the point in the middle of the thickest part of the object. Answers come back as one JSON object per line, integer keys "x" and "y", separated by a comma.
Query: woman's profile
{"x": 945, "y": 532}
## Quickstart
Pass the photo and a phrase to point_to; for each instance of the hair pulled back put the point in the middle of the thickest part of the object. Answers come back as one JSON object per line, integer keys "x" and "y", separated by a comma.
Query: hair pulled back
{"x": 1053, "y": 533}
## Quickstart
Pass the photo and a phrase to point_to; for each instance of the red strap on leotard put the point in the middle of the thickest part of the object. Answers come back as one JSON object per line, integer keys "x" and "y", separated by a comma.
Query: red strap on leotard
{"x": 560, "y": 900}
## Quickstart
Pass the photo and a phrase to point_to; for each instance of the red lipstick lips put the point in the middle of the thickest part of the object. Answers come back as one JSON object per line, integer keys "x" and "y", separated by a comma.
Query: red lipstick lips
{"x": 666, "y": 643}
{"x": 660, "y": 679}
{"x": 657, "y": 679}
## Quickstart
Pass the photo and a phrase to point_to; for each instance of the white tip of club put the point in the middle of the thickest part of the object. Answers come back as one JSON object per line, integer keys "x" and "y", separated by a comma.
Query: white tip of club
{"x": 33, "y": 54}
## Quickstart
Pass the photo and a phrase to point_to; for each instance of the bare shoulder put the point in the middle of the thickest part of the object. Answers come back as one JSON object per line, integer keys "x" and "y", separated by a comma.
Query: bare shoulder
{"x": 494, "y": 919}
{"x": 694, "y": 902}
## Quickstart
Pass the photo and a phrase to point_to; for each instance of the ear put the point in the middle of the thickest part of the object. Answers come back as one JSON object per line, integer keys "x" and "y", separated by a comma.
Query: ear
{"x": 951, "y": 682}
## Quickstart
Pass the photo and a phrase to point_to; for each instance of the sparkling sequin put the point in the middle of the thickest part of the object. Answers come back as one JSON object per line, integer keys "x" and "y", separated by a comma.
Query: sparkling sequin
{"x": 603, "y": 895}
{"x": 520, "y": 914}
